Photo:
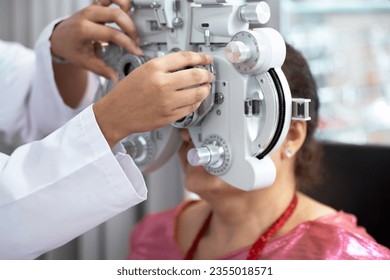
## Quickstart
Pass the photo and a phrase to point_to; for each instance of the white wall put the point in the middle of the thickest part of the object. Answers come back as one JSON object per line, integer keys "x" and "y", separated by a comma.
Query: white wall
{"x": 22, "y": 20}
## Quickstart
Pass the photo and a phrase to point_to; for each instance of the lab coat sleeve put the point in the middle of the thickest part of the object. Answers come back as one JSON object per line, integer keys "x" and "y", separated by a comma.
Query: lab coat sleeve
{"x": 47, "y": 108}
{"x": 16, "y": 71}
{"x": 57, "y": 188}
{"x": 31, "y": 106}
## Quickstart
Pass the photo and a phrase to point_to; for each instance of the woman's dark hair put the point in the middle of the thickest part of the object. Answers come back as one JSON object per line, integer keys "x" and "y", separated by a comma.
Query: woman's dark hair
{"x": 303, "y": 85}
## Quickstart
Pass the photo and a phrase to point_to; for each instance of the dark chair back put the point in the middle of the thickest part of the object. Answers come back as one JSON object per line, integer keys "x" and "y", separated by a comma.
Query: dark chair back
{"x": 357, "y": 180}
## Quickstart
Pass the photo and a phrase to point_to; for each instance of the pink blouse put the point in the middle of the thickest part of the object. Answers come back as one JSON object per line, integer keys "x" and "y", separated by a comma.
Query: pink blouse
{"x": 332, "y": 237}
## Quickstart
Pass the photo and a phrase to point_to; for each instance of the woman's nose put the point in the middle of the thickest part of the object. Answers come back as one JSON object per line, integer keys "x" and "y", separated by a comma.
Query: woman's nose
{"x": 185, "y": 135}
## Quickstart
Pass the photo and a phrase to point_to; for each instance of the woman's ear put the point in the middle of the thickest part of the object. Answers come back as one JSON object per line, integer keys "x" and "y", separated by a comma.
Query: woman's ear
{"x": 294, "y": 139}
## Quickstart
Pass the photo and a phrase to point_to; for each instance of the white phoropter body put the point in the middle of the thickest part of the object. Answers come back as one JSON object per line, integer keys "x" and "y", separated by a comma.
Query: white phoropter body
{"x": 249, "y": 109}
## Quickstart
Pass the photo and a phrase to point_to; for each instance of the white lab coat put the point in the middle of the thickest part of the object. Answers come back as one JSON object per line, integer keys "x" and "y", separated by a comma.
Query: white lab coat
{"x": 54, "y": 189}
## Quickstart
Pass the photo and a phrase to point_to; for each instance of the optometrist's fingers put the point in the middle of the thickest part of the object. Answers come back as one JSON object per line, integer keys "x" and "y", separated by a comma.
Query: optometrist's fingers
{"x": 190, "y": 96}
{"x": 99, "y": 67}
{"x": 100, "y": 14}
{"x": 123, "y": 4}
{"x": 184, "y": 111}
{"x": 180, "y": 60}
{"x": 110, "y": 34}
{"x": 75, "y": 45}
{"x": 189, "y": 78}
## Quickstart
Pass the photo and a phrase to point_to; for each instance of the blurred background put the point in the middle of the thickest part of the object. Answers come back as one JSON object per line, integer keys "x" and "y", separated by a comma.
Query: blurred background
{"x": 347, "y": 44}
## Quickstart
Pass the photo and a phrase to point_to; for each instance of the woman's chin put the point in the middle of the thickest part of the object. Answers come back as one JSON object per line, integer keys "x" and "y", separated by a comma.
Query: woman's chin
{"x": 198, "y": 180}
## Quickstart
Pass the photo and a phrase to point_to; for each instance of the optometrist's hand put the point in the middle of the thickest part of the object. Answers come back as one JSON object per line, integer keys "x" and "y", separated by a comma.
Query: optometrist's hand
{"x": 73, "y": 38}
{"x": 153, "y": 95}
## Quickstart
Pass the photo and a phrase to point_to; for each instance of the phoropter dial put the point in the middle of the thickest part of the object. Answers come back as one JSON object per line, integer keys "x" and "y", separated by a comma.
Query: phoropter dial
{"x": 140, "y": 147}
{"x": 256, "y": 51}
{"x": 128, "y": 63}
{"x": 123, "y": 64}
{"x": 214, "y": 155}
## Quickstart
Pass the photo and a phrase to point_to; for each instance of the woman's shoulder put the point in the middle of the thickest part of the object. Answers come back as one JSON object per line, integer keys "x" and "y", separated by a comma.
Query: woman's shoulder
{"x": 345, "y": 221}
{"x": 154, "y": 236}
{"x": 315, "y": 212}
{"x": 163, "y": 221}
{"x": 333, "y": 236}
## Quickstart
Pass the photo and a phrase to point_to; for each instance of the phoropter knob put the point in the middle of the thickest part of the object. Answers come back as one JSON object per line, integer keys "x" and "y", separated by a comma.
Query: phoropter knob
{"x": 256, "y": 12}
{"x": 256, "y": 50}
{"x": 209, "y": 155}
{"x": 237, "y": 52}
{"x": 136, "y": 147}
